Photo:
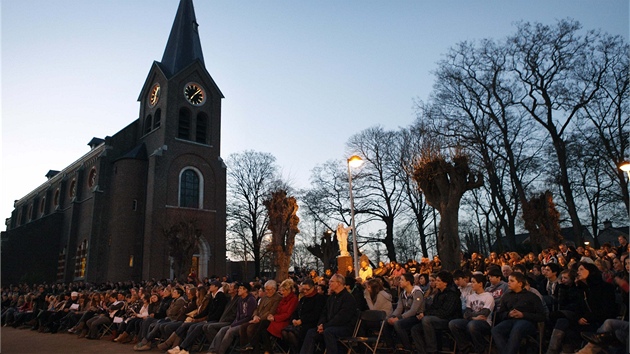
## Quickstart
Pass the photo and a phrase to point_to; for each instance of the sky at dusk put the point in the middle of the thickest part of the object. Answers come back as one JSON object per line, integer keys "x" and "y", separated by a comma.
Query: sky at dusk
{"x": 299, "y": 77}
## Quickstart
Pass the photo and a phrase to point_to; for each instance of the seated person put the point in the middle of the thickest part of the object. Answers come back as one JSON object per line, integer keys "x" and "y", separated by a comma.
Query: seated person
{"x": 519, "y": 312}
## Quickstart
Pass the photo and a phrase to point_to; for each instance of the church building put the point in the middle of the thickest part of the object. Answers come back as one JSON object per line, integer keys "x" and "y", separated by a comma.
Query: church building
{"x": 103, "y": 217}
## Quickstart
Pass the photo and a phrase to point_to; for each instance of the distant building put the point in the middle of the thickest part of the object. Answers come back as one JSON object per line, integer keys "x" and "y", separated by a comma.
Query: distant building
{"x": 101, "y": 218}
{"x": 608, "y": 234}
{"x": 523, "y": 240}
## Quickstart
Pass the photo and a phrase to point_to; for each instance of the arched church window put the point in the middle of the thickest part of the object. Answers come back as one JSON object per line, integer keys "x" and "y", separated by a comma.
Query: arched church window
{"x": 42, "y": 206}
{"x": 81, "y": 260}
{"x": 72, "y": 192}
{"x": 158, "y": 118}
{"x": 56, "y": 197}
{"x": 92, "y": 178}
{"x": 190, "y": 188}
{"x": 148, "y": 123}
{"x": 183, "y": 130}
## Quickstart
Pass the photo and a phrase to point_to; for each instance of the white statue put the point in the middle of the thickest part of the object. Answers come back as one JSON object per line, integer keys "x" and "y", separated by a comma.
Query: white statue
{"x": 342, "y": 238}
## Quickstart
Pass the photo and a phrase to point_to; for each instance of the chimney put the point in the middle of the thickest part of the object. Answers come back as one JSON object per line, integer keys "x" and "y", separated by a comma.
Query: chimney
{"x": 607, "y": 224}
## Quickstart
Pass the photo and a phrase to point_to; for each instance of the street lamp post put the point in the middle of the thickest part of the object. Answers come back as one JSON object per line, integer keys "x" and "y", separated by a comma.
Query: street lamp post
{"x": 354, "y": 161}
{"x": 625, "y": 166}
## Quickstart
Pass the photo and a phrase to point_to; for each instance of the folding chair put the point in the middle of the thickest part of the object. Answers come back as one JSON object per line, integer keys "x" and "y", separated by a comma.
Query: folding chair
{"x": 107, "y": 329}
{"x": 621, "y": 314}
{"x": 277, "y": 347}
{"x": 373, "y": 322}
{"x": 441, "y": 333}
{"x": 540, "y": 339}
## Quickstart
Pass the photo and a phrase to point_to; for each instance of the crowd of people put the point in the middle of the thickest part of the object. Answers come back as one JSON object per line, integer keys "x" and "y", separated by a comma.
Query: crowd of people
{"x": 579, "y": 294}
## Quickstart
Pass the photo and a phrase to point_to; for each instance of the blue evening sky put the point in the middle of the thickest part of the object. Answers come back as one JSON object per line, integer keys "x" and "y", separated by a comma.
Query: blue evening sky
{"x": 299, "y": 77}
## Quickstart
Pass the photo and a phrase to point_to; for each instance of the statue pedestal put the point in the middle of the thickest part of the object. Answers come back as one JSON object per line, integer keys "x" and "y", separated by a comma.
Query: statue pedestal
{"x": 342, "y": 264}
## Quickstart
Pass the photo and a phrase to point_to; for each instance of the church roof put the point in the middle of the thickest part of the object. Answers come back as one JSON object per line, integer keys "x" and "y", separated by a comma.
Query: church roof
{"x": 139, "y": 152}
{"x": 183, "y": 46}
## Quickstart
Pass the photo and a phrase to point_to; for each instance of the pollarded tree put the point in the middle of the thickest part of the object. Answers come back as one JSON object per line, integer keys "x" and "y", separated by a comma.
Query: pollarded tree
{"x": 283, "y": 224}
{"x": 444, "y": 183}
{"x": 542, "y": 220}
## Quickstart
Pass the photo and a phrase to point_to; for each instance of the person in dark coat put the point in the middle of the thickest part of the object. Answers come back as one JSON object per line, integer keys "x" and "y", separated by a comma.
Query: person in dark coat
{"x": 597, "y": 303}
{"x": 305, "y": 317}
{"x": 336, "y": 321}
{"x": 519, "y": 312}
{"x": 446, "y": 306}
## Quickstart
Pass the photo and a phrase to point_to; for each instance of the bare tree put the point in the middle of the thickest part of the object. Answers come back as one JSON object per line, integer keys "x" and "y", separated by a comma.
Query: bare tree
{"x": 443, "y": 184}
{"x": 283, "y": 224}
{"x": 410, "y": 146}
{"x": 378, "y": 185}
{"x": 251, "y": 177}
{"x": 560, "y": 73}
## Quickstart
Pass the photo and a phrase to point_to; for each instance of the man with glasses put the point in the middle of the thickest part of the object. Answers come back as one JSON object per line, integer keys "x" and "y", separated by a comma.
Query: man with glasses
{"x": 305, "y": 317}
{"x": 267, "y": 306}
{"x": 337, "y": 320}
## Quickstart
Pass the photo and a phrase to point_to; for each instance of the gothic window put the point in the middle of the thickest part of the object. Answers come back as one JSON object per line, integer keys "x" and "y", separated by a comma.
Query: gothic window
{"x": 158, "y": 118}
{"x": 183, "y": 130}
{"x": 81, "y": 260}
{"x": 56, "y": 198}
{"x": 92, "y": 178}
{"x": 72, "y": 192}
{"x": 42, "y": 206}
{"x": 29, "y": 214}
{"x": 190, "y": 188}
{"x": 148, "y": 123}
{"x": 201, "y": 130}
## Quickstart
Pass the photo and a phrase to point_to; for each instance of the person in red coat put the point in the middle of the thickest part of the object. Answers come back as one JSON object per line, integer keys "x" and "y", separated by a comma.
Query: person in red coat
{"x": 274, "y": 323}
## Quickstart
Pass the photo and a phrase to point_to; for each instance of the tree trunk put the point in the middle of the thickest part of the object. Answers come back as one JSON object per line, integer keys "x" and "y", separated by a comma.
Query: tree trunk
{"x": 449, "y": 245}
{"x": 389, "y": 240}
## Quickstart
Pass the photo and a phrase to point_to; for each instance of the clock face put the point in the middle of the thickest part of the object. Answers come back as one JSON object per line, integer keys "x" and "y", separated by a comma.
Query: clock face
{"x": 194, "y": 94}
{"x": 154, "y": 96}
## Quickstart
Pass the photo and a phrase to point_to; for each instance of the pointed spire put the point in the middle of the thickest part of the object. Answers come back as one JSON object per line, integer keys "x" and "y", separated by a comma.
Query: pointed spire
{"x": 183, "y": 46}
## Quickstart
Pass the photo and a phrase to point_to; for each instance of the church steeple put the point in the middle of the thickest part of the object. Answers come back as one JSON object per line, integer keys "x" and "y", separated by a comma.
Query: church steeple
{"x": 183, "y": 46}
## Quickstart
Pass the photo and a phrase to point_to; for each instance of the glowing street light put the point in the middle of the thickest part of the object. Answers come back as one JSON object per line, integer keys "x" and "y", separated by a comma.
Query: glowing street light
{"x": 354, "y": 161}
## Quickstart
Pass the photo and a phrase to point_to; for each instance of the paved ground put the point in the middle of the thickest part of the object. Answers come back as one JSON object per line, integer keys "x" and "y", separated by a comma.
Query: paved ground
{"x": 30, "y": 342}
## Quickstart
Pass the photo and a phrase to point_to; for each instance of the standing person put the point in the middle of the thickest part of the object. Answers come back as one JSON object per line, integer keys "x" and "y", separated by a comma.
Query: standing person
{"x": 470, "y": 331}
{"x": 338, "y": 319}
{"x": 446, "y": 306}
{"x": 410, "y": 303}
{"x": 519, "y": 312}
